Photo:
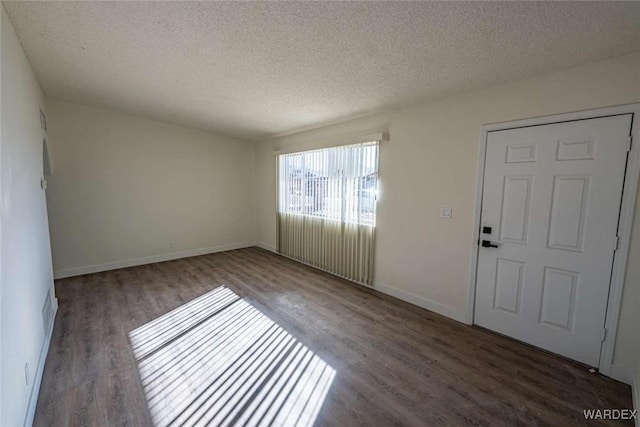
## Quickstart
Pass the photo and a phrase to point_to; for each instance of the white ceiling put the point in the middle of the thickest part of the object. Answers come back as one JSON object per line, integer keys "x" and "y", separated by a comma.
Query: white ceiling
{"x": 252, "y": 70}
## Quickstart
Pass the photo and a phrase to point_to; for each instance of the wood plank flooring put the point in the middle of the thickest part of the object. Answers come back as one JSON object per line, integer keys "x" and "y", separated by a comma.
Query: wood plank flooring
{"x": 396, "y": 364}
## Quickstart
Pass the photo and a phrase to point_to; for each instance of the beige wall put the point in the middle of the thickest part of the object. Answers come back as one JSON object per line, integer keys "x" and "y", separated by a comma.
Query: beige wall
{"x": 430, "y": 161}
{"x": 123, "y": 188}
{"x": 25, "y": 258}
{"x": 627, "y": 352}
{"x": 636, "y": 391}
{"x": 628, "y": 345}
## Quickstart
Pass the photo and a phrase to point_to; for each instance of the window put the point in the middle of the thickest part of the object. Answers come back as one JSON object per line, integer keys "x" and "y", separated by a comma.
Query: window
{"x": 337, "y": 184}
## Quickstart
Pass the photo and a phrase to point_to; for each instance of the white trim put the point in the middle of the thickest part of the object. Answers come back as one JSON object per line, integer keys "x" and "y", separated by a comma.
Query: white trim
{"x": 426, "y": 303}
{"x": 380, "y": 137}
{"x": 475, "y": 231}
{"x": 35, "y": 390}
{"x": 627, "y": 212}
{"x": 88, "y": 269}
{"x": 624, "y": 229}
{"x": 266, "y": 246}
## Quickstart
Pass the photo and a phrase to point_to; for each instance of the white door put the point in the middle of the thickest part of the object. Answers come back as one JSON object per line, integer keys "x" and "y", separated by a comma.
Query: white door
{"x": 551, "y": 198}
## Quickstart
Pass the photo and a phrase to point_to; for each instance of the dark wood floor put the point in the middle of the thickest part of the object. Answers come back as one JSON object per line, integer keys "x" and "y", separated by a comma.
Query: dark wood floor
{"x": 396, "y": 364}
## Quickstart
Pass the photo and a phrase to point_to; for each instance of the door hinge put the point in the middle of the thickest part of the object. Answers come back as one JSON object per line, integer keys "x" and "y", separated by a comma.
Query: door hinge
{"x": 43, "y": 183}
{"x": 629, "y": 142}
{"x": 604, "y": 334}
{"x": 616, "y": 241}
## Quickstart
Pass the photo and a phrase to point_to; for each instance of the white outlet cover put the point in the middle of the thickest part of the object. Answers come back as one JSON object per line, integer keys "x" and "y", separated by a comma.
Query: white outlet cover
{"x": 445, "y": 213}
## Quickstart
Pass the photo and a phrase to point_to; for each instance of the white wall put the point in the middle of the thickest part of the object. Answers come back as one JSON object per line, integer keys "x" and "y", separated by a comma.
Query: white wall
{"x": 430, "y": 161}
{"x": 123, "y": 188}
{"x": 25, "y": 259}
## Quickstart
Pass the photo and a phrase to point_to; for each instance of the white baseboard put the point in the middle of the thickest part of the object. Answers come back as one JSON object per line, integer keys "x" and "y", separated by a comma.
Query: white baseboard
{"x": 266, "y": 246}
{"x": 436, "y": 307}
{"x": 88, "y": 269}
{"x": 35, "y": 390}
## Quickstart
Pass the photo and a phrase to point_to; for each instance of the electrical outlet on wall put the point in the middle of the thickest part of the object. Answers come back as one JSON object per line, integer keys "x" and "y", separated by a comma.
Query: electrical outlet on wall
{"x": 26, "y": 374}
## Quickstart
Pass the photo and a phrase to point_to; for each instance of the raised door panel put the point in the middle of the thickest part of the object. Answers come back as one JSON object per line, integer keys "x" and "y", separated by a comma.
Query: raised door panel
{"x": 520, "y": 153}
{"x": 558, "y": 298}
{"x": 576, "y": 149}
{"x": 508, "y": 285}
{"x": 514, "y": 222}
{"x": 568, "y": 212}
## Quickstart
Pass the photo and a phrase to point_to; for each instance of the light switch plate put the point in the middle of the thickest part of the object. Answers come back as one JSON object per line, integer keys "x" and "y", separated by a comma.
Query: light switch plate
{"x": 445, "y": 213}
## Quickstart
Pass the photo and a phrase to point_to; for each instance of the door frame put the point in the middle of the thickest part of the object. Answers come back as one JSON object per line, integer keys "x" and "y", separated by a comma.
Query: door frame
{"x": 627, "y": 211}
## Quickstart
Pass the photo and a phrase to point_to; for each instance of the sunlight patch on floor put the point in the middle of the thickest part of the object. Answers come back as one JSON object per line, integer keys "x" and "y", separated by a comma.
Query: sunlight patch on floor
{"x": 218, "y": 360}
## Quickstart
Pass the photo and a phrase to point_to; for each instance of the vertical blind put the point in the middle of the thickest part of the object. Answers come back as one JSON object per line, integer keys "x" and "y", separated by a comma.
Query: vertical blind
{"x": 327, "y": 208}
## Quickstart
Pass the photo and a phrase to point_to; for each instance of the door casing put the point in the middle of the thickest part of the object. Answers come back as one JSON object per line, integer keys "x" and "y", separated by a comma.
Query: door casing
{"x": 627, "y": 211}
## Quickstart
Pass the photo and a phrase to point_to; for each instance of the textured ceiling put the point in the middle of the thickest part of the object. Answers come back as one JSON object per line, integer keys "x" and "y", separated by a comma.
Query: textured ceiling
{"x": 252, "y": 70}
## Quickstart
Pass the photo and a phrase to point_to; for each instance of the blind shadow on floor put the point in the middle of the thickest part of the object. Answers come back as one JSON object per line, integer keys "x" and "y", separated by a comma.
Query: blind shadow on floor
{"x": 218, "y": 360}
